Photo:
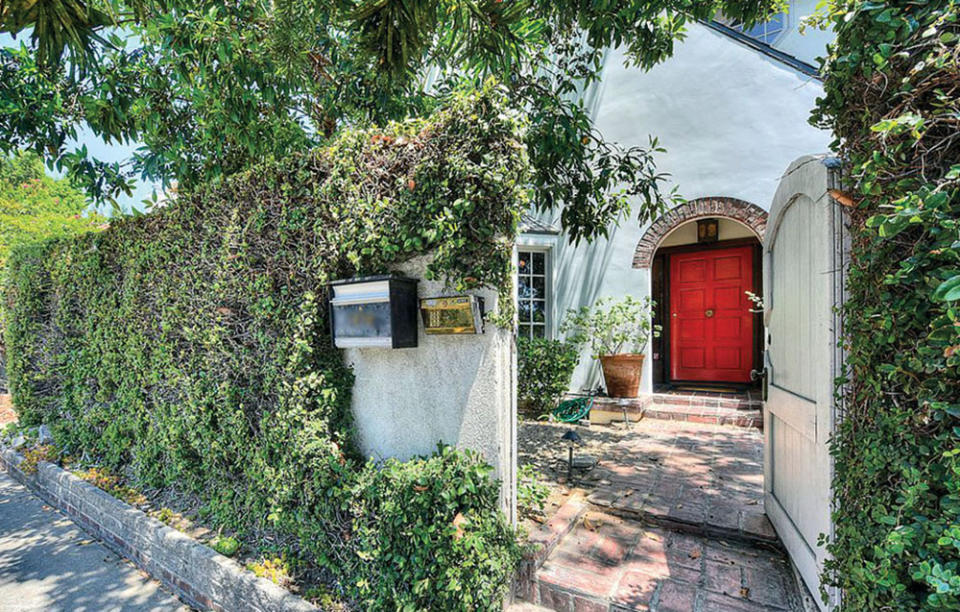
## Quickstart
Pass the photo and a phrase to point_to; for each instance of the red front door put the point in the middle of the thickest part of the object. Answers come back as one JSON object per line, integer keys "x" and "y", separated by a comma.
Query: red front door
{"x": 711, "y": 326}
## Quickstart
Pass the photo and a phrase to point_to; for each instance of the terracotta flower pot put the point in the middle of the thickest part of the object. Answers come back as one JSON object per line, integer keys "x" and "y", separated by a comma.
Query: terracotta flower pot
{"x": 622, "y": 374}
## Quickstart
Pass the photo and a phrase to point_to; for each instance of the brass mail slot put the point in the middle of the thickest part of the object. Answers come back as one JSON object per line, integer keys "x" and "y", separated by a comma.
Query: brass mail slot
{"x": 462, "y": 314}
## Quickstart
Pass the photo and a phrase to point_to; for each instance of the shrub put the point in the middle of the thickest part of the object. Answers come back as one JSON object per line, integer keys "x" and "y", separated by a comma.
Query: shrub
{"x": 893, "y": 98}
{"x": 423, "y": 534}
{"x": 35, "y": 207}
{"x": 544, "y": 369}
{"x": 192, "y": 346}
{"x": 532, "y": 494}
{"x": 33, "y": 457}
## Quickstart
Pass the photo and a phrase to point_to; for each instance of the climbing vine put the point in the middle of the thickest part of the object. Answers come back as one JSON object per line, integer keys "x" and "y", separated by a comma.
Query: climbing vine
{"x": 190, "y": 347}
{"x": 893, "y": 101}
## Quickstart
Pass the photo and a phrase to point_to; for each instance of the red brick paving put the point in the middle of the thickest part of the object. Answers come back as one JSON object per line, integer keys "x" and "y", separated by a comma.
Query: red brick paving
{"x": 677, "y": 523}
{"x": 610, "y": 563}
{"x": 706, "y": 477}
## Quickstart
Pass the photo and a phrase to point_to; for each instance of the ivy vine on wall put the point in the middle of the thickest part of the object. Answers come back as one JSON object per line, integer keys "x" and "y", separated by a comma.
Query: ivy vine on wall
{"x": 191, "y": 347}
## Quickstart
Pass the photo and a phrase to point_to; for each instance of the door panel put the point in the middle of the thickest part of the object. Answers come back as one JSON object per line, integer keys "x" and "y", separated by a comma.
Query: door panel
{"x": 711, "y": 327}
{"x": 803, "y": 269}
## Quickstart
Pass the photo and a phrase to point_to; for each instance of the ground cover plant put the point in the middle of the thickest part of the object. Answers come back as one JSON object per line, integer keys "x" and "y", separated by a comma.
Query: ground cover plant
{"x": 893, "y": 100}
{"x": 190, "y": 347}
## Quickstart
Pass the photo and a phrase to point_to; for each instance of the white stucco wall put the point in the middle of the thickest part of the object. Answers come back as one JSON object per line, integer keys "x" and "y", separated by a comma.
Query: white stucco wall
{"x": 458, "y": 390}
{"x": 731, "y": 120}
{"x": 809, "y": 44}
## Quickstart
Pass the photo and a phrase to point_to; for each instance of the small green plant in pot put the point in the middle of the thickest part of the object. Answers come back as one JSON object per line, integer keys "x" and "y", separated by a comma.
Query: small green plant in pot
{"x": 618, "y": 332}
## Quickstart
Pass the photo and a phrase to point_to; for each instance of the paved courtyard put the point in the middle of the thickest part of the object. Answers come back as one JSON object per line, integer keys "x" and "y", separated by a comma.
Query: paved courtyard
{"x": 671, "y": 518}
{"x": 703, "y": 476}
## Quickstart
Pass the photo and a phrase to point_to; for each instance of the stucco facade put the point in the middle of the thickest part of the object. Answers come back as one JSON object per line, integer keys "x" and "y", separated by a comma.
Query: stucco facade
{"x": 731, "y": 119}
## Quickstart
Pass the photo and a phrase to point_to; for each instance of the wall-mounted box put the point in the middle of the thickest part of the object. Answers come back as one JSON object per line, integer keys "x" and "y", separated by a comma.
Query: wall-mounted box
{"x": 374, "y": 311}
{"x": 462, "y": 314}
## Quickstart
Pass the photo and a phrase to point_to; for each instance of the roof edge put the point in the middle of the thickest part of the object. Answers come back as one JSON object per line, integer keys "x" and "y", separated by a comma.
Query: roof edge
{"x": 771, "y": 52}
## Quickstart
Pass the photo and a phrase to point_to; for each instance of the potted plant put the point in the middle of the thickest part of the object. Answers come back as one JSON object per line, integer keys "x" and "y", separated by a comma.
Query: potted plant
{"x": 618, "y": 332}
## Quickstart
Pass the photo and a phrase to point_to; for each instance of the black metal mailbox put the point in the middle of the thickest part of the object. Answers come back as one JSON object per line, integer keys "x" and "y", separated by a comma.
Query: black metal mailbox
{"x": 374, "y": 311}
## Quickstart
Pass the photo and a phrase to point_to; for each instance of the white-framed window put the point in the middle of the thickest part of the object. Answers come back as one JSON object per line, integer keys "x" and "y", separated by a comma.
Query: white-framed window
{"x": 533, "y": 292}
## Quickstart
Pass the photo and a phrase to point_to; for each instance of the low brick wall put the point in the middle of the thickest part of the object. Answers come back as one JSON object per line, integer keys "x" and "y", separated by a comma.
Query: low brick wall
{"x": 200, "y": 576}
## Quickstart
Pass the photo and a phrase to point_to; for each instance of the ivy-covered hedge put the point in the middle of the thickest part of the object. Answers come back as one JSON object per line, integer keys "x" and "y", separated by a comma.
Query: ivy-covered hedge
{"x": 191, "y": 347}
{"x": 893, "y": 100}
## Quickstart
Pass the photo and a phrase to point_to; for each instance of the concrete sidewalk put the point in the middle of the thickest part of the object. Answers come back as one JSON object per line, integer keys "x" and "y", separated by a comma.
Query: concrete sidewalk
{"x": 48, "y": 563}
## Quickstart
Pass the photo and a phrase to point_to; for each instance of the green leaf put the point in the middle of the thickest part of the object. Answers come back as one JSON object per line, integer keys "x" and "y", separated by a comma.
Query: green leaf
{"x": 948, "y": 290}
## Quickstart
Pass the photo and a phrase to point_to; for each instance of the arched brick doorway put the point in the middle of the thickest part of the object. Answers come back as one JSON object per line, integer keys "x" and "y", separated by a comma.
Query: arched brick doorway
{"x": 746, "y": 213}
{"x": 709, "y": 335}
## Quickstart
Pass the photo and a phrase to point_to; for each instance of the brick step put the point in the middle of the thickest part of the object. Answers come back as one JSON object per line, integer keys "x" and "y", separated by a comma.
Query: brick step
{"x": 524, "y": 606}
{"x": 706, "y": 401}
{"x": 768, "y": 540}
{"x": 710, "y": 516}
{"x": 744, "y": 408}
{"x": 615, "y": 404}
{"x": 543, "y": 541}
{"x": 709, "y": 416}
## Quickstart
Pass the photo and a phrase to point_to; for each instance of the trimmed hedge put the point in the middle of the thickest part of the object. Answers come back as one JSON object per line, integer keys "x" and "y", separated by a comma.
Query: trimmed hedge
{"x": 893, "y": 100}
{"x": 191, "y": 347}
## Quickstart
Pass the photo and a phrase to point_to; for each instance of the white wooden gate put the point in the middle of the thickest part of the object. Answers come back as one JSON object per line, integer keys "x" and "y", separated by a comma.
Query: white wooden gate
{"x": 804, "y": 256}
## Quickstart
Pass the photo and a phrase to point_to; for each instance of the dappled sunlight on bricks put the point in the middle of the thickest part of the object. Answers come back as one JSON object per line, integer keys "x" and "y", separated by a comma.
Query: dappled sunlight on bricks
{"x": 674, "y": 521}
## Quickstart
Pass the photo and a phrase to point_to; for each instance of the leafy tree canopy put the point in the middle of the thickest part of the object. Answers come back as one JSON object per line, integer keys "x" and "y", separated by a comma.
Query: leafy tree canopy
{"x": 211, "y": 87}
{"x": 34, "y": 206}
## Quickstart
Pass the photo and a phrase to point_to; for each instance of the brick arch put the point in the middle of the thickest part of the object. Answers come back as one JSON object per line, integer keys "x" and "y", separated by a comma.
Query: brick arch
{"x": 749, "y": 214}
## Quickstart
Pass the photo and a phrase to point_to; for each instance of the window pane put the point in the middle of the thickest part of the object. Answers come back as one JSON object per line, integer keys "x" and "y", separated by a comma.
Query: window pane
{"x": 766, "y": 32}
{"x": 524, "y": 311}
{"x": 539, "y": 331}
{"x": 525, "y": 330}
{"x": 539, "y": 311}
{"x": 523, "y": 262}
{"x": 539, "y": 288}
{"x": 523, "y": 288}
{"x": 539, "y": 266}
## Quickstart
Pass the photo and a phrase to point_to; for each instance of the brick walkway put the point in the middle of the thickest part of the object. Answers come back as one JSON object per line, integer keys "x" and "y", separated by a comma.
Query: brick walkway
{"x": 609, "y": 563}
{"x": 702, "y": 477}
{"x": 706, "y": 477}
{"x": 672, "y": 519}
